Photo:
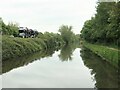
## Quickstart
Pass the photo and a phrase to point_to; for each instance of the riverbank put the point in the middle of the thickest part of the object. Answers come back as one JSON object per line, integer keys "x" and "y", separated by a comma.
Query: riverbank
{"x": 107, "y": 53}
{"x": 13, "y": 47}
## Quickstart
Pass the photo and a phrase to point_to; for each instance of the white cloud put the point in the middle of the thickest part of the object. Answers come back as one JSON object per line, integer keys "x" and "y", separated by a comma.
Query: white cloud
{"x": 48, "y": 15}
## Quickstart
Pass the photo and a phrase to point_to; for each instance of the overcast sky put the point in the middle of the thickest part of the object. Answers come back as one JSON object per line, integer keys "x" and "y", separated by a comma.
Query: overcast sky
{"x": 47, "y": 15}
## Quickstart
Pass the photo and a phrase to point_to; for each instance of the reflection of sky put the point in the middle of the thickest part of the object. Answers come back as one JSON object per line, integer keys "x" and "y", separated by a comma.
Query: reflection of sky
{"x": 48, "y": 15}
{"x": 50, "y": 73}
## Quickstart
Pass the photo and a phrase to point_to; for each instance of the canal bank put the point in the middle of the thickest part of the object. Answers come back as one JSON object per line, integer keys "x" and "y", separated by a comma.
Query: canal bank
{"x": 107, "y": 53}
{"x": 13, "y": 47}
{"x": 68, "y": 67}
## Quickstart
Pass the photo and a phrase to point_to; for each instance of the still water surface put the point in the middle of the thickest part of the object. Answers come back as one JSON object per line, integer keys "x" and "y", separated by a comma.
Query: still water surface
{"x": 66, "y": 68}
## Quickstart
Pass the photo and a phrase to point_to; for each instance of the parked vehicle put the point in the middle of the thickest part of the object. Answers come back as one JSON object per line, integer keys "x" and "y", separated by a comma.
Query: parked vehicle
{"x": 24, "y": 32}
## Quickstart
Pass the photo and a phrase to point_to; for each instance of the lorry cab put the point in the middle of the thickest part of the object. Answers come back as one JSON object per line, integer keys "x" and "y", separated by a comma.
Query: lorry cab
{"x": 22, "y": 32}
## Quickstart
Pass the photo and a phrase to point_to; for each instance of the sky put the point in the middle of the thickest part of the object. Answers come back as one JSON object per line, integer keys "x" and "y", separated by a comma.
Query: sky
{"x": 48, "y": 15}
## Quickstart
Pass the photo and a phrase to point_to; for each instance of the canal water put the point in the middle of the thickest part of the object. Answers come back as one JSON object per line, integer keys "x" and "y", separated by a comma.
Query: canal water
{"x": 69, "y": 67}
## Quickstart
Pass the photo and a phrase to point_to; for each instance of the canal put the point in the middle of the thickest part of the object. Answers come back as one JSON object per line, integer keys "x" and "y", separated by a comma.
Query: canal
{"x": 68, "y": 67}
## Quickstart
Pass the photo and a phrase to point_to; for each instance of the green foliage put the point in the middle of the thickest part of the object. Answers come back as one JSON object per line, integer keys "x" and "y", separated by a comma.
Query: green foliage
{"x": 51, "y": 39}
{"x": 10, "y": 29}
{"x": 107, "y": 53}
{"x": 0, "y": 25}
{"x": 87, "y": 30}
{"x": 66, "y": 33}
{"x": 14, "y": 46}
{"x": 105, "y": 26}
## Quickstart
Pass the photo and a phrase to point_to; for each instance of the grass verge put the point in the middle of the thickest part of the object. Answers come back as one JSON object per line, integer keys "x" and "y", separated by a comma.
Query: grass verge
{"x": 107, "y": 53}
{"x": 13, "y": 47}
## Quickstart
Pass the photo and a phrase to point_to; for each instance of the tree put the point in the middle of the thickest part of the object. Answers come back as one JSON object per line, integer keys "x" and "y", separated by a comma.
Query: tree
{"x": 3, "y": 27}
{"x": 0, "y": 25}
{"x": 10, "y": 29}
{"x": 105, "y": 26}
{"x": 66, "y": 33}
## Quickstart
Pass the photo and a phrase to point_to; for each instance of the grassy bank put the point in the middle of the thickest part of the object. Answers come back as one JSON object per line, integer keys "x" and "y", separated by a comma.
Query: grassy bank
{"x": 107, "y": 53}
{"x": 16, "y": 47}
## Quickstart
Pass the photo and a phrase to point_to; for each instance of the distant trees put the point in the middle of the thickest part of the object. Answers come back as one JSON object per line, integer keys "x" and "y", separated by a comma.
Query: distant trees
{"x": 66, "y": 33}
{"x": 10, "y": 29}
{"x": 65, "y": 37}
{"x": 51, "y": 39}
{"x": 13, "y": 29}
{"x": 0, "y": 25}
{"x": 105, "y": 26}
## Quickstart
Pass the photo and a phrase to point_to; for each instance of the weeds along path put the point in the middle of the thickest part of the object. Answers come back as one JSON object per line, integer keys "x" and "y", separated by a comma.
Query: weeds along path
{"x": 113, "y": 49}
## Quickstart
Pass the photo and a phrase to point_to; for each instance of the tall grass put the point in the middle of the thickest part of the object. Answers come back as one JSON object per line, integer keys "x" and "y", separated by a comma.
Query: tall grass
{"x": 16, "y": 47}
{"x": 107, "y": 53}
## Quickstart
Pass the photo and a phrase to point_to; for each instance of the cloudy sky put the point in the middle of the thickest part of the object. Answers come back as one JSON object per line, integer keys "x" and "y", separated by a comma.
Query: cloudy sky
{"x": 47, "y": 15}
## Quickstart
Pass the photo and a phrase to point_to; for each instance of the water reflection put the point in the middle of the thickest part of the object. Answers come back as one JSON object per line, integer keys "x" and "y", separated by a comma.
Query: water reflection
{"x": 106, "y": 75}
{"x": 8, "y": 65}
{"x": 65, "y": 55}
{"x": 66, "y": 52}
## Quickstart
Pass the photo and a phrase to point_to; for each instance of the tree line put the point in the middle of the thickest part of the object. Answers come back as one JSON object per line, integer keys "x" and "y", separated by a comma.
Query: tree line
{"x": 104, "y": 27}
{"x": 65, "y": 34}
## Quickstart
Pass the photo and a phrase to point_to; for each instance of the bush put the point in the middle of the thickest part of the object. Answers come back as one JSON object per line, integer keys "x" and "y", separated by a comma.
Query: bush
{"x": 15, "y": 47}
{"x": 12, "y": 47}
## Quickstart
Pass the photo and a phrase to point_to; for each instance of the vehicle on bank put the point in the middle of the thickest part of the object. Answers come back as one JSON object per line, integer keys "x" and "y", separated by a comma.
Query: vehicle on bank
{"x": 24, "y": 32}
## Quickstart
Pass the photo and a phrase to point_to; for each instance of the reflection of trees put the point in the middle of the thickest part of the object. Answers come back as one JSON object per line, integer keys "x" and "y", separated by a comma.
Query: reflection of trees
{"x": 8, "y": 65}
{"x": 106, "y": 75}
{"x": 66, "y": 52}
